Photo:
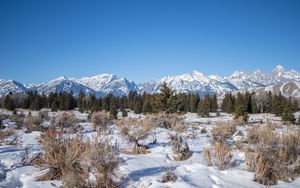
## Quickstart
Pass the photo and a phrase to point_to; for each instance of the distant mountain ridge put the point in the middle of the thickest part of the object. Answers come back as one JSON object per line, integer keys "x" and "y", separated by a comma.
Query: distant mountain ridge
{"x": 194, "y": 82}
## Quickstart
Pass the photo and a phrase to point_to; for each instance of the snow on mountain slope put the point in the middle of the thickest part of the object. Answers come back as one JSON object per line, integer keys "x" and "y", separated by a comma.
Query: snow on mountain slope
{"x": 109, "y": 83}
{"x": 63, "y": 84}
{"x": 7, "y": 86}
{"x": 193, "y": 82}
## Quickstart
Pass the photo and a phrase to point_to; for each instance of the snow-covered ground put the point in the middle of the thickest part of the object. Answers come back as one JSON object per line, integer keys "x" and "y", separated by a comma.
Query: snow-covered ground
{"x": 144, "y": 170}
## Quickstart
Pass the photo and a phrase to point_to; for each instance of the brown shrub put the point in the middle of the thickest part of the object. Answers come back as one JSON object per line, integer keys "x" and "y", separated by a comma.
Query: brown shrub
{"x": 180, "y": 148}
{"x": 33, "y": 123}
{"x": 103, "y": 158}
{"x": 169, "y": 176}
{"x": 223, "y": 131}
{"x": 166, "y": 120}
{"x": 19, "y": 120}
{"x": 9, "y": 137}
{"x": 44, "y": 114}
{"x": 276, "y": 155}
{"x": 66, "y": 120}
{"x": 62, "y": 156}
{"x": 223, "y": 155}
{"x": 101, "y": 120}
{"x": 134, "y": 131}
{"x": 207, "y": 156}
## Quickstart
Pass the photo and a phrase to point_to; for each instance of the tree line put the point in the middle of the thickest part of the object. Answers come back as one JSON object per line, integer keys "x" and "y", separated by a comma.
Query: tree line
{"x": 166, "y": 100}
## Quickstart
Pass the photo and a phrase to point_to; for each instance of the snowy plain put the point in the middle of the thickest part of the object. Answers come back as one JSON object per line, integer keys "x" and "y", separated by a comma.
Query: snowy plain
{"x": 144, "y": 170}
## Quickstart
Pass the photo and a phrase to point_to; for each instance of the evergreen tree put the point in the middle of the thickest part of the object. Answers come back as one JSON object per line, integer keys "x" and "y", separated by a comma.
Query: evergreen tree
{"x": 113, "y": 109}
{"x": 240, "y": 107}
{"x": 124, "y": 112}
{"x": 203, "y": 107}
{"x": 147, "y": 107}
{"x": 194, "y": 100}
{"x": 213, "y": 103}
{"x": 166, "y": 100}
{"x": 80, "y": 102}
{"x": 287, "y": 114}
{"x": 9, "y": 103}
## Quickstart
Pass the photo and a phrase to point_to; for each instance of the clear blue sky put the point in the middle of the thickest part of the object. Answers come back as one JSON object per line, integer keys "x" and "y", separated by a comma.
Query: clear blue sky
{"x": 145, "y": 39}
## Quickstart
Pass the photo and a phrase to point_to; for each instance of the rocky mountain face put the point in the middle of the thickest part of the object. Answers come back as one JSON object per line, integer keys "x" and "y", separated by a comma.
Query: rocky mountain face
{"x": 285, "y": 81}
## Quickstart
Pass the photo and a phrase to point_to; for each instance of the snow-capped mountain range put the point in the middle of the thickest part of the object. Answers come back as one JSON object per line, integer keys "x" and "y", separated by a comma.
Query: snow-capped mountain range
{"x": 194, "y": 82}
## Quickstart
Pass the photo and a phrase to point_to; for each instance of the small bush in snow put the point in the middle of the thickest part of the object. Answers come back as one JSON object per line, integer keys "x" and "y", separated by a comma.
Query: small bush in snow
{"x": 44, "y": 114}
{"x": 223, "y": 155}
{"x": 101, "y": 120}
{"x": 169, "y": 176}
{"x": 9, "y": 137}
{"x": 66, "y": 120}
{"x": 63, "y": 156}
{"x": 19, "y": 120}
{"x": 207, "y": 157}
{"x": 166, "y": 120}
{"x": 33, "y": 123}
{"x": 180, "y": 148}
{"x": 223, "y": 131}
{"x": 134, "y": 131}
{"x": 103, "y": 159}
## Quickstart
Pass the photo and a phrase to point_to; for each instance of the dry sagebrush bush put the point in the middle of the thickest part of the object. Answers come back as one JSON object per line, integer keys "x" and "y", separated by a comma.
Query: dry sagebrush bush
{"x": 180, "y": 148}
{"x": 101, "y": 120}
{"x": 9, "y": 136}
{"x": 169, "y": 176}
{"x": 103, "y": 157}
{"x": 275, "y": 156}
{"x": 219, "y": 155}
{"x": 133, "y": 131}
{"x": 44, "y": 114}
{"x": 207, "y": 156}
{"x": 223, "y": 155}
{"x": 66, "y": 120}
{"x": 223, "y": 131}
{"x": 166, "y": 120}
{"x": 33, "y": 123}
{"x": 19, "y": 120}
{"x": 71, "y": 160}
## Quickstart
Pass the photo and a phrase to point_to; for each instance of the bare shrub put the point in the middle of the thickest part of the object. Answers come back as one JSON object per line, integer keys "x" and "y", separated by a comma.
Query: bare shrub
{"x": 44, "y": 114}
{"x": 207, "y": 156}
{"x": 67, "y": 120}
{"x": 62, "y": 156}
{"x": 101, "y": 120}
{"x": 103, "y": 158}
{"x": 9, "y": 137}
{"x": 166, "y": 120}
{"x": 223, "y": 155}
{"x": 19, "y": 120}
{"x": 169, "y": 176}
{"x": 33, "y": 123}
{"x": 134, "y": 131}
{"x": 264, "y": 173}
{"x": 276, "y": 155}
{"x": 223, "y": 131}
{"x": 180, "y": 148}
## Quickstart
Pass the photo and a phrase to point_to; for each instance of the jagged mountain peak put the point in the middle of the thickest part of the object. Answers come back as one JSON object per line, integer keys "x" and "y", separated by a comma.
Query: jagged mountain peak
{"x": 278, "y": 69}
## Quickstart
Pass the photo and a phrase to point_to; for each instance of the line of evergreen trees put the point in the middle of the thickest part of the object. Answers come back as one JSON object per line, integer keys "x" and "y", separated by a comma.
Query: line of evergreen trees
{"x": 166, "y": 100}
{"x": 243, "y": 104}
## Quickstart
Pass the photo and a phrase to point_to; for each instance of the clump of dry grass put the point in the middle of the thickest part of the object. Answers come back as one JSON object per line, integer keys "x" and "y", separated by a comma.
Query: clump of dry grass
{"x": 167, "y": 120}
{"x": 219, "y": 155}
{"x": 19, "y": 120}
{"x": 67, "y": 120}
{"x": 33, "y": 123}
{"x": 101, "y": 120}
{"x": 180, "y": 148}
{"x": 223, "y": 131}
{"x": 275, "y": 155}
{"x": 103, "y": 158}
{"x": 223, "y": 155}
{"x": 9, "y": 136}
{"x": 133, "y": 131}
{"x": 207, "y": 156}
